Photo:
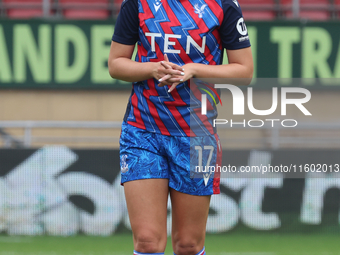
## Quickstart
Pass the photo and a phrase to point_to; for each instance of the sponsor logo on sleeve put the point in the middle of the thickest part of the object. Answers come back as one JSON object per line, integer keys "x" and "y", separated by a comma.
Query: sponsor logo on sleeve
{"x": 242, "y": 29}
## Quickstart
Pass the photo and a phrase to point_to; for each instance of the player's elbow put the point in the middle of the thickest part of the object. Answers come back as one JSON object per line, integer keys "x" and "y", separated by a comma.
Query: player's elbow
{"x": 245, "y": 75}
{"x": 112, "y": 68}
{"x": 249, "y": 72}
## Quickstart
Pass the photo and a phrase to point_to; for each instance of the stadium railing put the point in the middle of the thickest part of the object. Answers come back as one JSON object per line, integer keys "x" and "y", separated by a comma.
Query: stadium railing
{"x": 104, "y": 9}
{"x": 68, "y": 9}
{"x": 307, "y": 9}
{"x": 28, "y": 139}
{"x": 259, "y": 9}
{"x": 10, "y": 141}
{"x": 304, "y": 135}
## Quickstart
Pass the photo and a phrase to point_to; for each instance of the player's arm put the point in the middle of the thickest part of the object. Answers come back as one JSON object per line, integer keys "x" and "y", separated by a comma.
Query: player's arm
{"x": 123, "y": 42}
{"x": 234, "y": 37}
{"x": 123, "y": 68}
{"x": 240, "y": 67}
{"x": 239, "y": 71}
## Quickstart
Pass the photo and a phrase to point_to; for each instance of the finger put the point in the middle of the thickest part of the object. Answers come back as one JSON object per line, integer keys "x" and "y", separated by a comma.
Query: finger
{"x": 163, "y": 83}
{"x": 176, "y": 72}
{"x": 165, "y": 77}
{"x": 173, "y": 72}
{"x": 177, "y": 67}
{"x": 170, "y": 81}
{"x": 167, "y": 83}
{"x": 175, "y": 80}
{"x": 174, "y": 66}
{"x": 173, "y": 87}
{"x": 166, "y": 65}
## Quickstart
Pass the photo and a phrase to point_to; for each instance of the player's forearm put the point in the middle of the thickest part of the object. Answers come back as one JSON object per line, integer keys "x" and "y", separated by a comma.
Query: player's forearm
{"x": 241, "y": 74}
{"x": 239, "y": 71}
{"x": 131, "y": 71}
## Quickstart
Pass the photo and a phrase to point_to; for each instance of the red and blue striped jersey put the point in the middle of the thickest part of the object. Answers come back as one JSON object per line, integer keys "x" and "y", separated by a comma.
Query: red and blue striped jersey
{"x": 188, "y": 31}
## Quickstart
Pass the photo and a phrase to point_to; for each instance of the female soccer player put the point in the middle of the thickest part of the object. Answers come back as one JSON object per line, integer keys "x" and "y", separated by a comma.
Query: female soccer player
{"x": 164, "y": 132}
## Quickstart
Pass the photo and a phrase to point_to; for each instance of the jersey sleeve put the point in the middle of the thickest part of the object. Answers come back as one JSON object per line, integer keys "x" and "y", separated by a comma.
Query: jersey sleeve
{"x": 233, "y": 30}
{"x": 127, "y": 23}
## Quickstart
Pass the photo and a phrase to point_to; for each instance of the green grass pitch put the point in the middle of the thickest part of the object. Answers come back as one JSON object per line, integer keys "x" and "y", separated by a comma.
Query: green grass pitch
{"x": 220, "y": 244}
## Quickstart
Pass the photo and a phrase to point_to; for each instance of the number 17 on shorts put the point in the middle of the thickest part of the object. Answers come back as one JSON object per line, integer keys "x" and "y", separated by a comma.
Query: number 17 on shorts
{"x": 205, "y": 159}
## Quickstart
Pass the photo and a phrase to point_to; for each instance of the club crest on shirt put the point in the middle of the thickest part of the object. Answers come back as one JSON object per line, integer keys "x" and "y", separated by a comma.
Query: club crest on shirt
{"x": 124, "y": 167}
{"x": 200, "y": 10}
{"x": 157, "y": 5}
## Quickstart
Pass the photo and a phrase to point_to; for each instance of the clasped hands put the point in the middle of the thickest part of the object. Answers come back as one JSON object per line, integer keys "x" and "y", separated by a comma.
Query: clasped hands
{"x": 170, "y": 74}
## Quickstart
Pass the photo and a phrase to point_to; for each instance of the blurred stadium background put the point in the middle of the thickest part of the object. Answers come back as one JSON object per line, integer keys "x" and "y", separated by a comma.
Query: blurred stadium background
{"x": 60, "y": 116}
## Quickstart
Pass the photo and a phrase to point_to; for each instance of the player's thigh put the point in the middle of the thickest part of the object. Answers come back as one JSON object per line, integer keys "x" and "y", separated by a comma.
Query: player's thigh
{"x": 189, "y": 218}
{"x": 147, "y": 207}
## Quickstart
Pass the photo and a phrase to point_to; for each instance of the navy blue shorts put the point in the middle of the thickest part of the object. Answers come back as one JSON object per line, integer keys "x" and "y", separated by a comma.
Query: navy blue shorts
{"x": 188, "y": 162}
